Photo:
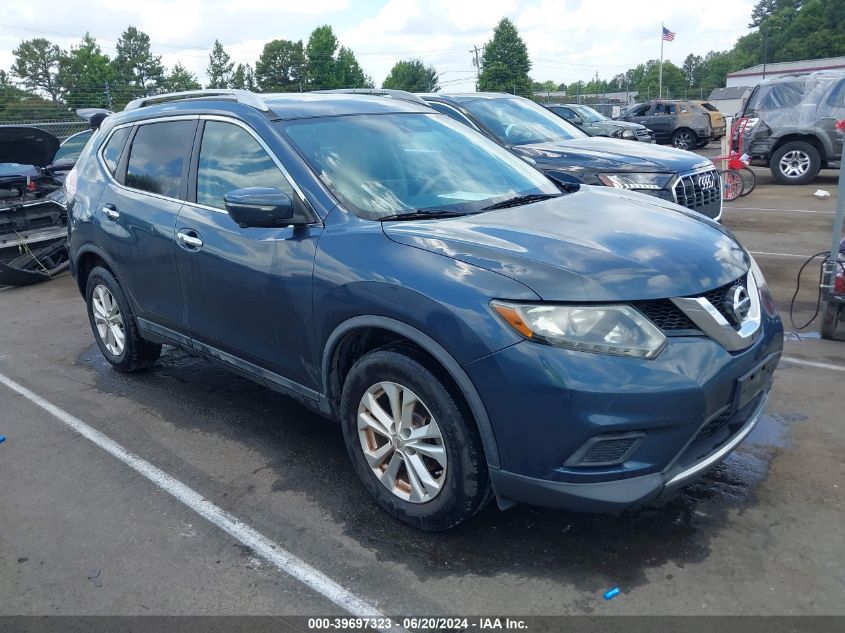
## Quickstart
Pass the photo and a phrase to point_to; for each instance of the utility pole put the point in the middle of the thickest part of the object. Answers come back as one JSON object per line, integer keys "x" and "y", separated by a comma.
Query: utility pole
{"x": 474, "y": 51}
{"x": 765, "y": 49}
{"x": 108, "y": 95}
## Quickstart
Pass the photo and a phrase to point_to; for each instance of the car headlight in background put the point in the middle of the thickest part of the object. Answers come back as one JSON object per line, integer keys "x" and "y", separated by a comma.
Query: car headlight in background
{"x": 606, "y": 329}
{"x": 627, "y": 134}
{"x": 635, "y": 181}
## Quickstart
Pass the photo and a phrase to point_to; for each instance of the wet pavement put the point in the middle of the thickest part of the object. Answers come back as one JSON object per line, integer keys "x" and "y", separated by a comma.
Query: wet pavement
{"x": 760, "y": 533}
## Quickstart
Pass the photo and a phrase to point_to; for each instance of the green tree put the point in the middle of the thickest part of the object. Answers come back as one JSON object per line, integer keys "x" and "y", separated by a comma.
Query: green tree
{"x": 412, "y": 75}
{"x": 692, "y": 68}
{"x": 138, "y": 71}
{"x": 180, "y": 79}
{"x": 320, "y": 61}
{"x": 504, "y": 63}
{"x": 281, "y": 66}
{"x": 85, "y": 74}
{"x": 348, "y": 72}
{"x": 243, "y": 77}
{"x": 219, "y": 68}
{"x": 37, "y": 65}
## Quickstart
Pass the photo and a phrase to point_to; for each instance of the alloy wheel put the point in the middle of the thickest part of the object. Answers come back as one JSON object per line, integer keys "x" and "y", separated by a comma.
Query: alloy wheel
{"x": 108, "y": 320}
{"x": 684, "y": 140}
{"x": 794, "y": 163}
{"x": 402, "y": 442}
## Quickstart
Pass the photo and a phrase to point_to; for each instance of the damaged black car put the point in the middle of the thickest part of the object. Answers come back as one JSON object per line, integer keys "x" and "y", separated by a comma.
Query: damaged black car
{"x": 33, "y": 220}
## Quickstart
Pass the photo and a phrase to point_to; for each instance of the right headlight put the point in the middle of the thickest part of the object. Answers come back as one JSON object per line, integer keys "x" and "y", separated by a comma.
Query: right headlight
{"x": 653, "y": 182}
{"x": 606, "y": 329}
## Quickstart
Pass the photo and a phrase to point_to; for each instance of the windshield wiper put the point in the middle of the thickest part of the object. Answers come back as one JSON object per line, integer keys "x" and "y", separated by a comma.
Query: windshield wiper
{"x": 423, "y": 215}
{"x": 520, "y": 200}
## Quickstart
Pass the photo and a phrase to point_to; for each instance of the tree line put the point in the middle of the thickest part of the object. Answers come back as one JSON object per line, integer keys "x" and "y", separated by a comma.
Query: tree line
{"x": 46, "y": 81}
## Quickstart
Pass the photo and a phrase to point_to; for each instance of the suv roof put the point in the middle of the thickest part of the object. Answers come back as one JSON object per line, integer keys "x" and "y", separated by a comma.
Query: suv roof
{"x": 277, "y": 106}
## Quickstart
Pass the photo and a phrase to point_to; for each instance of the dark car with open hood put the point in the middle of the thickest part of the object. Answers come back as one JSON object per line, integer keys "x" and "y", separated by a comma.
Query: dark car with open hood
{"x": 33, "y": 222}
{"x": 478, "y": 330}
{"x": 565, "y": 153}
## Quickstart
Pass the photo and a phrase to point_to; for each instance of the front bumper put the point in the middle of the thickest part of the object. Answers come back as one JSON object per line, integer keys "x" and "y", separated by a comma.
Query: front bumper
{"x": 546, "y": 403}
{"x": 609, "y": 497}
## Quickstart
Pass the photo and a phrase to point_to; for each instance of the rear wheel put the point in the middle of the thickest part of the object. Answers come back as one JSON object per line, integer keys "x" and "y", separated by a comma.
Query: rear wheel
{"x": 412, "y": 444}
{"x": 795, "y": 163}
{"x": 731, "y": 184}
{"x": 749, "y": 180}
{"x": 114, "y": 326}
{"x": 684, "y": 138}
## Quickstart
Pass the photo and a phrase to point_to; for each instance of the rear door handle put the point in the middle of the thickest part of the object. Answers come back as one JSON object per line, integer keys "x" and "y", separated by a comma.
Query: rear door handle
{"x": 110, "y": 211}
{"x": 188, "y": 240}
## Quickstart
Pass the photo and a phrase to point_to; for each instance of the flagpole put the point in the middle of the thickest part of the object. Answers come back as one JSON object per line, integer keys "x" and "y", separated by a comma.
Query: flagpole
{"x": 660, "y": 75}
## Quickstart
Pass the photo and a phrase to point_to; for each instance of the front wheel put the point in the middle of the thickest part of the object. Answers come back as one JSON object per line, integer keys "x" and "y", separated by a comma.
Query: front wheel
{"x": 731, "y": 184}
{"x": 411, "y": 442}
{"x": 749, "y": 180}
{"x": 684, "y": 139}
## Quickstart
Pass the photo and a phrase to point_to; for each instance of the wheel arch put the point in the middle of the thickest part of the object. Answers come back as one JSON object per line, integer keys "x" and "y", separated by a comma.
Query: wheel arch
{"x": 805, "y": 137}
{"x": 358, "y": 335}
{"x": 86, "y": 259}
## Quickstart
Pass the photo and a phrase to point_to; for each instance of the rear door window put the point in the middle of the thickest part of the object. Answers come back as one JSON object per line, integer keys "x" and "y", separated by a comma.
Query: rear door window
{"x": 230, "y": 158}
{"x": 159, "y": 157}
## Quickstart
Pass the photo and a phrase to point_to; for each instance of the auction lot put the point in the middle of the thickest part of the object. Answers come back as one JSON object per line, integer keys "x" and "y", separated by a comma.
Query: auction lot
{"x": 82, "y": 533}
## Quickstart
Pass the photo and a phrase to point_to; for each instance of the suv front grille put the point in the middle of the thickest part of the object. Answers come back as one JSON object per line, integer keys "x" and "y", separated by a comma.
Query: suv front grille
{"x": 701, "y": 191}
{"x": 717, "y": 298}
{"x": 665, "y": 315}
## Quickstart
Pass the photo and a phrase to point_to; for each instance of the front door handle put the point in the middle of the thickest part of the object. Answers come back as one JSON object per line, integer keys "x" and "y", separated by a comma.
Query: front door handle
{"x": 110, "y": 211}
{"x": 190, "y": 241}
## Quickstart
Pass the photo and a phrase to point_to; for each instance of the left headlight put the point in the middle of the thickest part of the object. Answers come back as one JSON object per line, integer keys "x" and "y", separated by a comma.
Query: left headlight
{"x": 653, "y": 182}
{"x": 627, "y": 134}
{"x": 607, "y": 329}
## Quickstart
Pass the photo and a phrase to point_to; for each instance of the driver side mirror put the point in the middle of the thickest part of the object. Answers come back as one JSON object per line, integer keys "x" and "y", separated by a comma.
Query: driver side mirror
{"x": 264, "y": 207}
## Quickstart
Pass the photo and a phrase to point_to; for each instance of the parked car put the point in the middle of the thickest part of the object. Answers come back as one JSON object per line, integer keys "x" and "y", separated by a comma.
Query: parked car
{"x": 791, "y": 127}
{"x": 683, "y": 124}
{"x": 476, "y": 330}
{"x": 33, "y": 222}
{"x": 596, "y": 124}
{"x": 567, "y": 154}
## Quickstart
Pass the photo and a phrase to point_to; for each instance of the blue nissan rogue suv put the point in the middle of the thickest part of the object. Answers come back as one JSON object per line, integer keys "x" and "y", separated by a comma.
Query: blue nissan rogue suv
{"x": 476, "y": 330}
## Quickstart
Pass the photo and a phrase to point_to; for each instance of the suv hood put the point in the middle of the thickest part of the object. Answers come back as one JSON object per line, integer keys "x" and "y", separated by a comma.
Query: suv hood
{"x": 596, "y": 244}
{"x": 609, "y": 154}
{"x": 27, "y": 145}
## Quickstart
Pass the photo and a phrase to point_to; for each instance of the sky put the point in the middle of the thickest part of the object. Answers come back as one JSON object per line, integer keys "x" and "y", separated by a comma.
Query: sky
{"x": 567, "y": 40}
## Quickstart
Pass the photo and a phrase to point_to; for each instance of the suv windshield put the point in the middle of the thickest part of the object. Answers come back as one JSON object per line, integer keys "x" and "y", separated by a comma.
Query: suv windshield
{"x": 516, "y": 121}
{"x": 588, "y": 114}
{"x": 396, "y": 164}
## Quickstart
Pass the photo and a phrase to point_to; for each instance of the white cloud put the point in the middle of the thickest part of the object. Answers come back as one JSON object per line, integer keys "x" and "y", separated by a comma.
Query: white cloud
{"x": 567, "y": 39}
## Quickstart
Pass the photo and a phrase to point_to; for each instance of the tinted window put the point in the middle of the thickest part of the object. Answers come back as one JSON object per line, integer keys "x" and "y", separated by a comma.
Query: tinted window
{"x": 836, "y": 99}
{"x": 230, "y": 158}
{"x": 777, "y": 96}
{"x": 412, "y": 162}
{"x": 566, "y": 113}
{"x": 158, "y": 156}
{"x": 73, "y": 145}
{"x": 113, "y": 149}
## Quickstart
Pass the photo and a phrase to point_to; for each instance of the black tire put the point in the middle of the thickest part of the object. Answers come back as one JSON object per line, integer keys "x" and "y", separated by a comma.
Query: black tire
{"x": 749, "y": 180}
{"x": 832, "y": 315}
{"x": 731, "y": 184}
{"x": 137, "y": 352}
{"x": 684, "y": 138}
{"x": 465, "y": 485}
{"x": 802, "y": 152}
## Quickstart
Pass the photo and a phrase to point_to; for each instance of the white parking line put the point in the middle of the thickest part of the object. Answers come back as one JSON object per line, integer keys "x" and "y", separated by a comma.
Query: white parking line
{"x": 811, "y": 363}
{"x": 263, "y": 546}
{"x": 768, "y": 254}
{"x": 772, "y": 209}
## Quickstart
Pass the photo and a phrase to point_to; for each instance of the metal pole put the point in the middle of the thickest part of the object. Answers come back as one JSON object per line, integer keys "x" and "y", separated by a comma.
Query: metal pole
{"x": 660, "y": 74}
{"x": 838, "y": 218}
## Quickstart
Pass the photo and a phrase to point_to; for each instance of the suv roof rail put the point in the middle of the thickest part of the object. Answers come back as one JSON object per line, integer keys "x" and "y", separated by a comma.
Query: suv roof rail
{"x": 241, "y": 96}
{"x": 401, "y": 95}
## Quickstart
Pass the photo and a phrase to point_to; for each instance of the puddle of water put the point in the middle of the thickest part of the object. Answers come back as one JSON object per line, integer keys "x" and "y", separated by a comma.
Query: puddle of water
{"x": 801, "y": 336}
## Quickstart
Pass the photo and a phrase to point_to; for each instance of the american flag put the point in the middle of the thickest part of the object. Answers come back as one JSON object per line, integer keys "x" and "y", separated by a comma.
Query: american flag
{"x": 668, "y": 35}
